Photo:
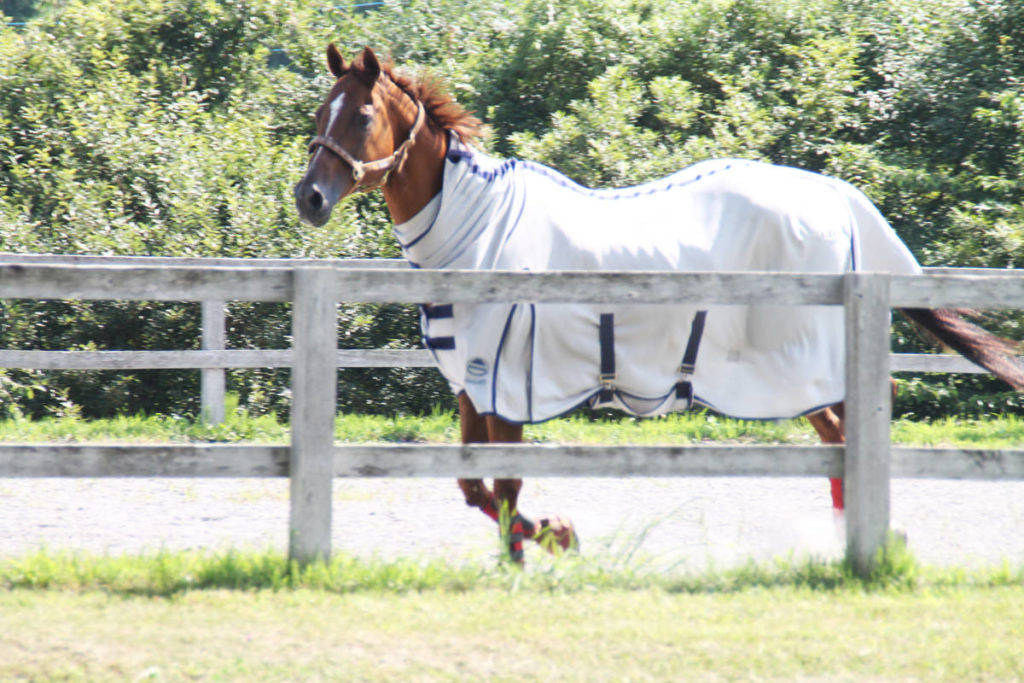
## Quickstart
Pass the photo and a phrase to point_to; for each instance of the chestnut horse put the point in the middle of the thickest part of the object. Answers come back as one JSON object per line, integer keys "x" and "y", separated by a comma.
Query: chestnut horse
{"x": 379, "y": 129}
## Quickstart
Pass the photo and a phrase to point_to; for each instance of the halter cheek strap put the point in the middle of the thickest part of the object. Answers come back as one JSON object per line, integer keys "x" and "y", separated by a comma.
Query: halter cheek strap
{"x": 387, "y": 164}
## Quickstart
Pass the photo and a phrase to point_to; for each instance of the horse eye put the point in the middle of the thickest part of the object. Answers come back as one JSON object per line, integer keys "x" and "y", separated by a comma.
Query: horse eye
{"x": 366, "y": 116}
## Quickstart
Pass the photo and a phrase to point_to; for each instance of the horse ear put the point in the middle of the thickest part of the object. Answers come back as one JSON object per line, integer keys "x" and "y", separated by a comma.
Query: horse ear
{"x": 367, "y": 67}
{"x": 335, "y": 62}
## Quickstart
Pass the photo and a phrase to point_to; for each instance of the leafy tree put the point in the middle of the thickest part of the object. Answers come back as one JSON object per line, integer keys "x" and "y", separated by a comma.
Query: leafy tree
{"x": 177, "y": 127}
{"x": 18, "y": 11}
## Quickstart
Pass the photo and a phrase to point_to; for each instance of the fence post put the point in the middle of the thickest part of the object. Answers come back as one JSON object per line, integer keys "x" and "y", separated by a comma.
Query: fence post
{"x": 212, "y": 379}
{"x": 866, "y": 466}
{"x": 314, "y": 387}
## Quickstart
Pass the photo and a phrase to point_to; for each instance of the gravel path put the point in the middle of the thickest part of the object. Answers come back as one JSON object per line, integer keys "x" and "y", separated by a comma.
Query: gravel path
{"x": 683, "y": 523}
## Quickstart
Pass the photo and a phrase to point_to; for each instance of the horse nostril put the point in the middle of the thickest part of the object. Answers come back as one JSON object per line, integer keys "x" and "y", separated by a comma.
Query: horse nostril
{"x": 313, "y": 203}
{"x": 316, "y": 200}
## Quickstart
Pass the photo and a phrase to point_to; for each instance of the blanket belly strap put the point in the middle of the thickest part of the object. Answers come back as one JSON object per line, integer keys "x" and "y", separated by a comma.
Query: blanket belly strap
{"x": 684, "y": 388}
{"x": 606, "y": 335}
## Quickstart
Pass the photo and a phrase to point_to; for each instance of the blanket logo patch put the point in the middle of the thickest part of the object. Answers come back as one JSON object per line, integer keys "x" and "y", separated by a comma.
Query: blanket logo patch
{"x": 476, "y": 371}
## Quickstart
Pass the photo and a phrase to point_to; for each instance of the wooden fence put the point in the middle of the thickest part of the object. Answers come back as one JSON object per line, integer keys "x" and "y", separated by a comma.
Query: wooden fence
{"x": 867, "y": 462}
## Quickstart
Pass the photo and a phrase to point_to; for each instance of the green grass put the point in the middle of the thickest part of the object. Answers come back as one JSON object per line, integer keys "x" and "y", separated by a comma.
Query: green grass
{"x": 647, "y": 635}
{"x": 310, "y": 635}
{"x": 171, "y": 616}
{"x": 442, "y": 427}
{"x": 255, "y": 616}
{"x": 168, "y": 573}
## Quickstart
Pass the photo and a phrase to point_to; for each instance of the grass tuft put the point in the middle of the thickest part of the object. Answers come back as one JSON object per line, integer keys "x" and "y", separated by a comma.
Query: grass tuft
{"x": 169, "y": 573}
{"x": 442, "y": 427}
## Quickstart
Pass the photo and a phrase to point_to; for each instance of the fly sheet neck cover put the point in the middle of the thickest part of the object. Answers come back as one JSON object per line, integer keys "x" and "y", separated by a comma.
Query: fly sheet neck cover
{"x": 530, "y": 362}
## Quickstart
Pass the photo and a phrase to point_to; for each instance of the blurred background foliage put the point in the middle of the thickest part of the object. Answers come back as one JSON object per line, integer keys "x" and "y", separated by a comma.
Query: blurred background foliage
{"x": 178, "y": 127}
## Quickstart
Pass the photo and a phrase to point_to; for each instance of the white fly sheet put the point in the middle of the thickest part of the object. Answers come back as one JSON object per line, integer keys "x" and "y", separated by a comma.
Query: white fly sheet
{"x": 530, "y": 362}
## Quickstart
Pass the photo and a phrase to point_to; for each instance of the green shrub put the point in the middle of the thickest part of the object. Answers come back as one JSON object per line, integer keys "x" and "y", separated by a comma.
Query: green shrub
{"x": 178, "y": 127}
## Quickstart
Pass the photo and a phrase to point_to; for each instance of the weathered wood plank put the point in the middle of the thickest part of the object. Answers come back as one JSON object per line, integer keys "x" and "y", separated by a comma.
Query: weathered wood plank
{"x": 227, "y": 358}
{"x": 314, "y": 390}
{"x": 146, "y": 283}
{"x": 484, "y": 460}
{"x": 180, "y": 283}
{"x": 212, "y": 380}
{"x": 521, "y": 460}
{"x": 385, "y": 358}
{"x": 145, "y": 360}
{"x": 984, "y": 292}
{"x": 935, "y": 362}
{"x": 944, "y": 270}
{"x": 187, "y": 283}
{"x": 415, "y": 286}
{"x": 420, "y": 460}
{"x": 90, "y": 260}
{"x": 346, "y": 358}
{"x": 868, "y": 415}
{"x": 146, "y": 460}
{"x": 957, "y": 463}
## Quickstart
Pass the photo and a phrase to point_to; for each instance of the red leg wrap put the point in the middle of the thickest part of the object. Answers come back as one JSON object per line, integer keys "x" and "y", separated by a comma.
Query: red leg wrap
{"x": 515, "y": 540}
{"x": 837, "y": 494}
{"x": 490, "y": 508}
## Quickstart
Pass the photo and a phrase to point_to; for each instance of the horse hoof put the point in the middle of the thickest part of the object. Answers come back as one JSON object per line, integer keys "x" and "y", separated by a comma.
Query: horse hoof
{"x": 556, "y": 535}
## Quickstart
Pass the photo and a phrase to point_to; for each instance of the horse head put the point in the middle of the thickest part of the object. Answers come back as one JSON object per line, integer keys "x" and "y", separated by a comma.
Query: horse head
{"x": 356, "y": 123}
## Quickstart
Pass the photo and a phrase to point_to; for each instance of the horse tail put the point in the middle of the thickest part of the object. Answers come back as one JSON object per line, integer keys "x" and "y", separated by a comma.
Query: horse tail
{"x": 995, "y": 354}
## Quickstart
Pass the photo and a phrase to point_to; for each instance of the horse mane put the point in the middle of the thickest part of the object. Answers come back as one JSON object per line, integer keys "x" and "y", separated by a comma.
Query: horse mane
{"x": 441, "y": 107}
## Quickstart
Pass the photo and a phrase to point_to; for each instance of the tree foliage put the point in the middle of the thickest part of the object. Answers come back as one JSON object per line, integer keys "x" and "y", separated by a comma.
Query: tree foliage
{"x": 177, "y": 127}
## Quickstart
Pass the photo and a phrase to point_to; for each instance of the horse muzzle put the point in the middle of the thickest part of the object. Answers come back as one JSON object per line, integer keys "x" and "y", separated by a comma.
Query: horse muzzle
{"x": 315, "y": 201}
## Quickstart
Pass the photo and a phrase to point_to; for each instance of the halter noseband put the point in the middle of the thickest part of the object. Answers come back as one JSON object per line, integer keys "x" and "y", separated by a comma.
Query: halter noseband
{"x": 387, "y": 164}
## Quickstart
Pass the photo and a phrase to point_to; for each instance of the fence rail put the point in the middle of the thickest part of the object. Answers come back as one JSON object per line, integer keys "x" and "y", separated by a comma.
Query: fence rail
{"x": 214, "y": 358}
{"x": 502, "y": 460}
{"x": 866, "y": 462}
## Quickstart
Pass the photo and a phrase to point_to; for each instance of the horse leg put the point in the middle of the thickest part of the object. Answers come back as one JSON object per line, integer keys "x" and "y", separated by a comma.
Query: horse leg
{"x": 830, "y": 424}
{"x": 551, "y": 533}
{"x": 474, "y": 430}
{"x": 477, "y": 429}
{"x": 554, "y": 533}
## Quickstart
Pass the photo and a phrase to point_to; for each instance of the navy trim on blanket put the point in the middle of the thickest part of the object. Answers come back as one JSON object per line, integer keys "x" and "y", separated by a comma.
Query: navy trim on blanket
{"x": 515, "y": 223}
{"x": 697, "y": 400}
{"x": 497, "y": 360}
{"x": 439, "y": 311}
{"x": 459, "y": 155}
{"x": 440, "y": 343}
{"x": 406, "y": 245}
{"x": 416, "y": 239}
{"x": 708, "y": 404}
{"x": 644, "y": 190}
{"x": 529, "y": 370}
{"x": 625, "y": 397}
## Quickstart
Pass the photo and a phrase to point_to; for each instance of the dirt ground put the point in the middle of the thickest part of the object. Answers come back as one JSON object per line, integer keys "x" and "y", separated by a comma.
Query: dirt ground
{"x": 687, "y": 523}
